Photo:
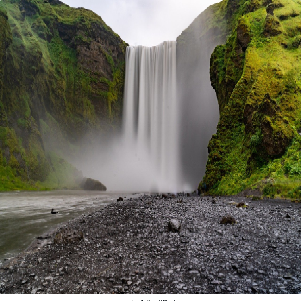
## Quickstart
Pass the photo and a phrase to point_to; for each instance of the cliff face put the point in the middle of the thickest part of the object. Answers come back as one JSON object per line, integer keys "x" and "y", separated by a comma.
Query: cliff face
{"x": 197, "y": 99}
{"x": 256, "y": 76}
{"x": 199, "y": 105}
{"x": 61, "y": 79}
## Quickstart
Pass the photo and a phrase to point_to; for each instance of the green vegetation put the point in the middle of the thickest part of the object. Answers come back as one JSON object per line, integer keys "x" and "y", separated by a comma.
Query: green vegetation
{"x": 58, "y": 83}
{"x": 257, "y": 78}
{"x": 62, "y": 175}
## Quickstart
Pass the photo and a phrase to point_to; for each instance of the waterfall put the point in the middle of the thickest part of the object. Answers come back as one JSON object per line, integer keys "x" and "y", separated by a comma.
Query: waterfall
{"x": 150, "y": 121}
{"x": 170, "y": 113}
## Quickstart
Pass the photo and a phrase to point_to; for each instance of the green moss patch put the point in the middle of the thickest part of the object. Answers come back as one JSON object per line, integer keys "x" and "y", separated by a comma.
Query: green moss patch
{"x": 52, "y": 93}
{"x": 256, "y": 75}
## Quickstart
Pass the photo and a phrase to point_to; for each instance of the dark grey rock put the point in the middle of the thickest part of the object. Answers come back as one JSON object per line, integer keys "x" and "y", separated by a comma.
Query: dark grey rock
{"x": 228, "y": 220}
{"x": 174, "y": 226}
{"x": 90, "y": 184}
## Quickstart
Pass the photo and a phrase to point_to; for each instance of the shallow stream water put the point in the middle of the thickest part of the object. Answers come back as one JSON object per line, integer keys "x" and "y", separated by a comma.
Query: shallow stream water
{"x": 27, "y": 215}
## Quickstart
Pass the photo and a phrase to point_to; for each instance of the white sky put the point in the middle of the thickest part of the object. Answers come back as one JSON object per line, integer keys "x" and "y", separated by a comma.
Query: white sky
{"x": 146, "y": 22}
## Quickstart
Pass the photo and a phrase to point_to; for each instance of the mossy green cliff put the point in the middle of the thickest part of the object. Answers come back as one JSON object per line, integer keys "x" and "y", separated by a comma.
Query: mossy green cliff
{"x": 61, "y": 79}
{"x": 257, "y": 78}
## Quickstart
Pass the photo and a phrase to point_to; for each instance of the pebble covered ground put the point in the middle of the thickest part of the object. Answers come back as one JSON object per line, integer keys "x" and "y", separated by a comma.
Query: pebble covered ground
{"x": 167, "y": 244}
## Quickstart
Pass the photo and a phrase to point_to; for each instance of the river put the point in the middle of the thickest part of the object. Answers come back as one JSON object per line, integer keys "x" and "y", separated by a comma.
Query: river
{"x": 27, "y": 215}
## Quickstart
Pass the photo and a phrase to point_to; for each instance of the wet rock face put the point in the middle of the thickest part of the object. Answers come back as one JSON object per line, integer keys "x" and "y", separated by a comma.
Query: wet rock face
{"x": 28, "y": 8}
{"x": 243, "y": 35}
{"x": 254, "y": 5}
{"x": 270, "y": 9}
{"x": 276, "y": 131}
{"x": 127, "y": 248}
{"x": 93, "y": 60}
{"x": 272, "y": 26}
{"x": 276, "y": 139}
{"x": 91, "y": 44}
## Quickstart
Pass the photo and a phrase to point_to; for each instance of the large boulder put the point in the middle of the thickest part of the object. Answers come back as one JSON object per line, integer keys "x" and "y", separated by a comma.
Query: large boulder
{"x": 90, "y": 184}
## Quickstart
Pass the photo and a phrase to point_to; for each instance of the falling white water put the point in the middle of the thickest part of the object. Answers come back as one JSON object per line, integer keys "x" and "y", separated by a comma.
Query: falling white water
{"x": 150, "y": 122}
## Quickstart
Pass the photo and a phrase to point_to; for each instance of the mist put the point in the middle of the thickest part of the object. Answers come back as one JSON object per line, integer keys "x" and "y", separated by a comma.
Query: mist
{"x": 198, "y": 101}
{"x": 113, "y": 162}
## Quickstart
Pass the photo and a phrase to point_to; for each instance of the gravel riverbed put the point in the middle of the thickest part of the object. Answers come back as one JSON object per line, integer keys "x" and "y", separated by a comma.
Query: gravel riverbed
{"x": 166, "y": 244}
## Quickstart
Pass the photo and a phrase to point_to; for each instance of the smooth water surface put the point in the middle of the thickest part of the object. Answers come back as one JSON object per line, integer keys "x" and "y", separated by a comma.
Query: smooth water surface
{"x": 26, "y": 215}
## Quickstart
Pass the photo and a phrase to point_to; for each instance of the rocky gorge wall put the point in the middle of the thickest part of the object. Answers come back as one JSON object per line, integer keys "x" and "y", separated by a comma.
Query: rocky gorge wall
{"x": 197, "y": 100}
{"x": 61, "y": 80}
{"x": 62, "y": 77}
{"x": 257, "y": 79}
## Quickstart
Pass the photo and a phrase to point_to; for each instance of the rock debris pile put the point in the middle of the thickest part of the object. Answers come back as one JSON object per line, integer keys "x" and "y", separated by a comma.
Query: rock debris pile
{"x": 173, "y": 244}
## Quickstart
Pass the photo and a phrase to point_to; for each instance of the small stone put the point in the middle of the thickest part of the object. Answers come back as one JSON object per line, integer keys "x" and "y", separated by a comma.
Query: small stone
{"x": 275, "y": 274}
{"x": 217, "y": 290}
{"x": 129, "y": 283}
{"x": 288, "y": 276}
{"x": 254, "y": 289}
{"x": 180, "y": 286}
{"x": 174, "y": 226}
{"x": 215, "y": 282}
{"x": 261, "y": 272}
{"x": 228, "y": 220}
